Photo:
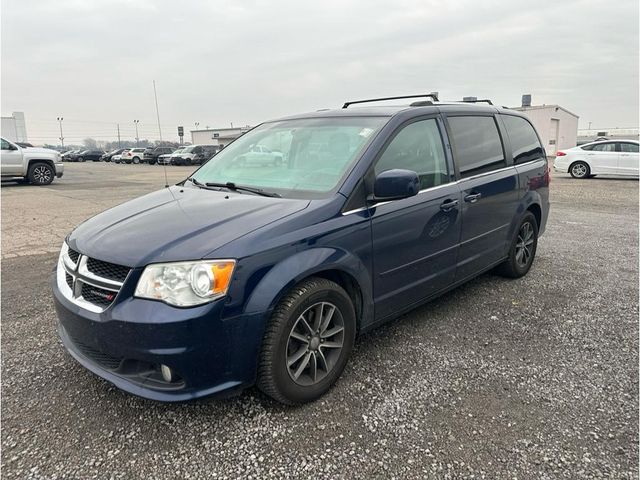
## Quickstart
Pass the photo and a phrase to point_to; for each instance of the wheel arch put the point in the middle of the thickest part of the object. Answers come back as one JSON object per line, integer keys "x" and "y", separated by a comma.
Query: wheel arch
{"x": 42, "y": 160}
{"x": 333, "y": 264}
{"x": 579, "y": 160}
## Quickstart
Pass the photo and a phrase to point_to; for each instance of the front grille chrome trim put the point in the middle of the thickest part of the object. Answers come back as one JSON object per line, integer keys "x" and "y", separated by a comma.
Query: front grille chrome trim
{"x": 101, "y": 282}
{"x": 81, "y": 275}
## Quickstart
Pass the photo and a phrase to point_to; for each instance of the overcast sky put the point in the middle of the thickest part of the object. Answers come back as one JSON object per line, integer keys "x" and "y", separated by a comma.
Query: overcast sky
{"x": 244, "y": 61}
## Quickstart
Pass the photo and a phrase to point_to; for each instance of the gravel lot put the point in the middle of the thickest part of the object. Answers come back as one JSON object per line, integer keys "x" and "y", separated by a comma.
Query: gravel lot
{"x": 534, "y": 378}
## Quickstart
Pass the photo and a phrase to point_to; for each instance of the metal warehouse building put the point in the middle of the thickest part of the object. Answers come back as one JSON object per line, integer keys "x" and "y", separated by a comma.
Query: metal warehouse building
{"x": 557, "y": 126}
{"x": 14, "y": 128}
{"x": 217, "y": 136}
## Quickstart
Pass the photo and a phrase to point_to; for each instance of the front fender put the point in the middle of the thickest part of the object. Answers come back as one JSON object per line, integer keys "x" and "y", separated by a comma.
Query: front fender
{"x": 290, "y": 271}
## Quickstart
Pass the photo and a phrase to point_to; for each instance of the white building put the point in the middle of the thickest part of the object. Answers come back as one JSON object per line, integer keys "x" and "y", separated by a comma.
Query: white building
{"x": 14, "y": 128}
{"x": 587, "y": 135}
{"x": 557, "y": 126}
{"x": 217, "y": 136}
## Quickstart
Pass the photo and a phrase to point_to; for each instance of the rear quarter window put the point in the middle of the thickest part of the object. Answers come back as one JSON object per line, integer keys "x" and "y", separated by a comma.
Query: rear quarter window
{"x": 477, "y": 144}
{"x": 524, "y": 141}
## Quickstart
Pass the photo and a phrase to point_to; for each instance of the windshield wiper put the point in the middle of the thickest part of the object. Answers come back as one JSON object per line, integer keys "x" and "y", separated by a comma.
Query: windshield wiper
{"x": 234, "y": 187}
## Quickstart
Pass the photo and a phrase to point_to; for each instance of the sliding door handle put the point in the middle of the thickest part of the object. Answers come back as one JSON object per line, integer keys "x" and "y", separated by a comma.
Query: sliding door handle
{"x": 448, "y": 205}
{"x": 472, "y": 197}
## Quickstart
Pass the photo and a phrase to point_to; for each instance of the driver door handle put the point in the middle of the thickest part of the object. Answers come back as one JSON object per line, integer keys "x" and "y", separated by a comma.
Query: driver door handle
{"x": 472, "y": 197}
{"x": 448, "y": 205}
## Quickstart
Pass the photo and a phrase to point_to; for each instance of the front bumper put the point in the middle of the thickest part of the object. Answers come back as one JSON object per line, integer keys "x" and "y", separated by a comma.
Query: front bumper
{"x": 127, "y": 342}
{"x": 59, "y": 166}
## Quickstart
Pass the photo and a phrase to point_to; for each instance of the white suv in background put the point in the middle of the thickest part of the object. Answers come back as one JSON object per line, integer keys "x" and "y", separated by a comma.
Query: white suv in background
{"x": 611, "y": 157}
{"x": 133, "y": 155}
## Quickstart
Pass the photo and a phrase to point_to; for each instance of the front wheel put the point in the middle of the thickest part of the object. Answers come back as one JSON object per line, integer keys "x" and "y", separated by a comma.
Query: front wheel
{"x": 523, "y": 249}
{"x": 580, "y": 170}
{"x": 136, "y": 160}
{"x": 40, "y": 174}
{"x": 80, "y": 159}
{"x": 307, "y": 342}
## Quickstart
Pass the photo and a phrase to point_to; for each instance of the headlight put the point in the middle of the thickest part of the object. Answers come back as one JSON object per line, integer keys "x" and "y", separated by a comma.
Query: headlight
{"x": 186, "y": 284}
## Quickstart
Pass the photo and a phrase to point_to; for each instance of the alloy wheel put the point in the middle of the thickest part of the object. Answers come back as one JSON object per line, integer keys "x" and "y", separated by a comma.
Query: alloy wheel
{"x": 42, "y": 174}
{"x": 315, "y": 343}
{"x": 524, "y": 244}
{"x": 579, "y": 170}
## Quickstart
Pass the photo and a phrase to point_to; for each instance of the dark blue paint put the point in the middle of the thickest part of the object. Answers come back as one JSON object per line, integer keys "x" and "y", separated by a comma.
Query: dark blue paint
{"x": 398, "y": 254}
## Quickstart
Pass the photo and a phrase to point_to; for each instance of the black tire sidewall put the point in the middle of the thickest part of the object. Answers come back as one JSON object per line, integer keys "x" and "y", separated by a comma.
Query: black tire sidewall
{"x": 586, "y": 175}
{"x": 518, "y": 270}
{"x": 284, "y": 383}
{"x": 30, "y": 174}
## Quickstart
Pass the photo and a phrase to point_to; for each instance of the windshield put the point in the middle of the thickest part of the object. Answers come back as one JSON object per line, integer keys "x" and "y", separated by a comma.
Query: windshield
{"x": 188, "y": 149}
{"x": 179, "y": 150}
{"x": 304, "y": 157}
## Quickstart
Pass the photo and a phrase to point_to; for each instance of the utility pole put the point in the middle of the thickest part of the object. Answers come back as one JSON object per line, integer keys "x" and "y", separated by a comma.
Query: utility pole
{"x": 197, "y": 124}
{"x": 136, "y": 122}
{"x": 589, "y": 125}
{"x": 60, "y": 119}
{"x": 118, "y": 125}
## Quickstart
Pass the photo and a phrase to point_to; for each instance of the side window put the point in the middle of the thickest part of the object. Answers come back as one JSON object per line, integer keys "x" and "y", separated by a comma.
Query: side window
{"x": 604, "y": 147}
{"x": 524, "y": 141}
{"x": 587, "y": 147}
{"x": 418, "y": 147}
{"x": 625, "y": 147}
{"x": 477, "y": 144}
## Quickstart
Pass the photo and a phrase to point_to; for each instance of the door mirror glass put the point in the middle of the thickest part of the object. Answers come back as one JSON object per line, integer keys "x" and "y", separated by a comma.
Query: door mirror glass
{"x": 395, "y": 184}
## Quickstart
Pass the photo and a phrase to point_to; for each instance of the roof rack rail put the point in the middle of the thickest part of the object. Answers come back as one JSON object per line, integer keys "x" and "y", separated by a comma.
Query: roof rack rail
{"x": 476, "y": 100}
{"x": 432, "y": 95}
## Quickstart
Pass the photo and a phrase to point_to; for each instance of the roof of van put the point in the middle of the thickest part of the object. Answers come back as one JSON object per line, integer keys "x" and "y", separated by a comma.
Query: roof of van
{"x": 391, "y": 110}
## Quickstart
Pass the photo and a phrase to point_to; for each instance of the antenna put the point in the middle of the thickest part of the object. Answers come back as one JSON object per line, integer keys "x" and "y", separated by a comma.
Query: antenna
{"x": 164, "y": 165}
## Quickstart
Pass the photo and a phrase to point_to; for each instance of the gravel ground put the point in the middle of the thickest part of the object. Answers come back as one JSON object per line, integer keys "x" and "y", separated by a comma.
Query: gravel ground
{"x": 534, "y": 378}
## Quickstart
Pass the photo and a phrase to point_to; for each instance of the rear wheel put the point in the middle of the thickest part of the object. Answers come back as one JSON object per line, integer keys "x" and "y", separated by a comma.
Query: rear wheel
{"x": 136, "y": 160}
{"x": 580, "y": 170}
{"x": 40, "y": 174}
{"x": 523, "y": 249}
{"x": 80, "y": 159}
{"x": 307, "y": 342}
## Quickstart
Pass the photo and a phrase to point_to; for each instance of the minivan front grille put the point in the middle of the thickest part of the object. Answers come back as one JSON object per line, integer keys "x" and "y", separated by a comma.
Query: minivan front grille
{"x": 107, "y": 270}
{"x": 90, "y": 283}
{"x": 73, "y": 255}
{"x": 97, "y": 295}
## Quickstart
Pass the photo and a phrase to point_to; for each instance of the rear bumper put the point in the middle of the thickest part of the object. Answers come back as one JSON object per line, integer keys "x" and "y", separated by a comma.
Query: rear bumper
{"x": 126, "y": 343}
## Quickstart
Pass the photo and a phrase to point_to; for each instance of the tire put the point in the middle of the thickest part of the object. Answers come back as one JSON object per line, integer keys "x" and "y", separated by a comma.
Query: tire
{"x": 579, "y": 170}
{"x": 80, "y": 159}
{"x": 40, "y": 173}
{"x": 276, "y": 376}
{"x": 135, "y": 160}
{"x": 514, "y": 266}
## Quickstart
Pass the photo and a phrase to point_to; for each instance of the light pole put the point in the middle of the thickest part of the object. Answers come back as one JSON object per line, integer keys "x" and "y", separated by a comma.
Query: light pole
{"x": 136, "y": 122}
{"x": 60, "y": 119}
{"x": 197, "y": 124}
{"x": 589, "y": 125}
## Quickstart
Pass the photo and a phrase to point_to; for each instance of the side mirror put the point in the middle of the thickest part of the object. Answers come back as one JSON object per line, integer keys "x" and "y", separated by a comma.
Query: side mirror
{"x": 395, "y": 184}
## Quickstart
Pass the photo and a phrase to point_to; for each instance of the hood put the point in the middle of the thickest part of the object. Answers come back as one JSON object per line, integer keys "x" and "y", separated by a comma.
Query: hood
{"x": 48, "y": 151}
{"x": 176, "y": 224}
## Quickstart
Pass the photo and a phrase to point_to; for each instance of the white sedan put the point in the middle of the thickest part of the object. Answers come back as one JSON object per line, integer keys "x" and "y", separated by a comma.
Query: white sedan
{"x": 611, "y": 157}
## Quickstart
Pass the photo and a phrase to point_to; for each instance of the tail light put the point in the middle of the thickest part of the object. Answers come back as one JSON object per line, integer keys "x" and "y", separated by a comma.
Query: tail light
{"x": 560, "y": 154}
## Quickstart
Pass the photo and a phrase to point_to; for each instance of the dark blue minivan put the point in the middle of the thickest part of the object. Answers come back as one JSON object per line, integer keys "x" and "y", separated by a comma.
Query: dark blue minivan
{"x": 265, "y": 264}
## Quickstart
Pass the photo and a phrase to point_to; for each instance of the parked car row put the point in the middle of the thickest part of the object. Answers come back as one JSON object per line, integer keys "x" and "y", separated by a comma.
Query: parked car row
{"x": 82, "y": 155}
{"x": 189, "y": 155}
